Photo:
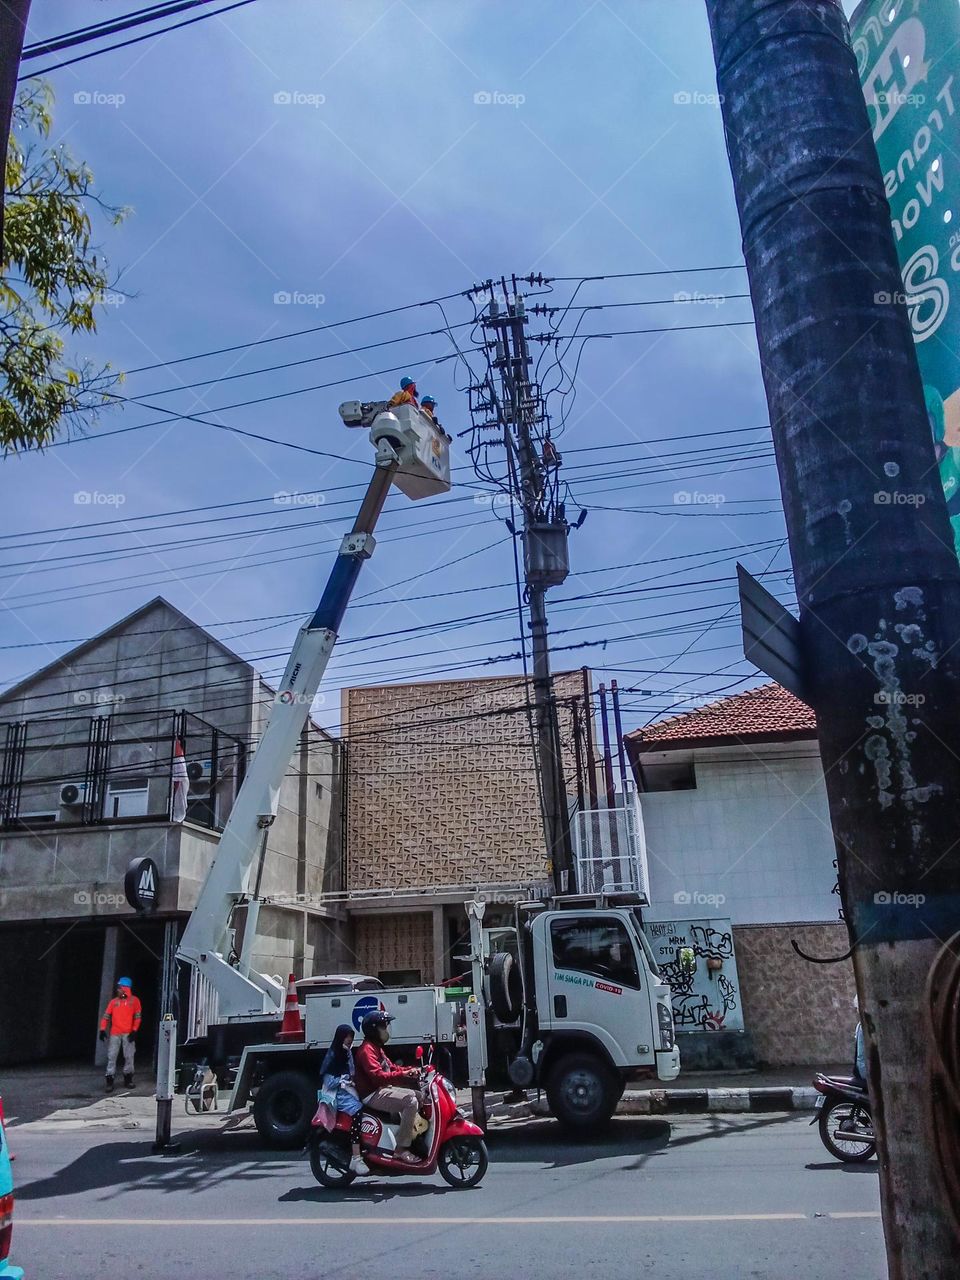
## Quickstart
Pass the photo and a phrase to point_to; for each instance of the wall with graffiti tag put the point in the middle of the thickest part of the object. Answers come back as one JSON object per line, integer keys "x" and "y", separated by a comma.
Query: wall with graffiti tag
{"x": 708, "y": 997}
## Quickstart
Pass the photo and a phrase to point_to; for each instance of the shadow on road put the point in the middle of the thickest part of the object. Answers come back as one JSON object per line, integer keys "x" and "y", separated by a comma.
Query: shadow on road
{"x": 871, "y": 1166}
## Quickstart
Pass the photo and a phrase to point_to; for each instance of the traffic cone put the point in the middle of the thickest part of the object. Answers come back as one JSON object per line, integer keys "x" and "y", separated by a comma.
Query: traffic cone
{"x": 291, "y": 1029}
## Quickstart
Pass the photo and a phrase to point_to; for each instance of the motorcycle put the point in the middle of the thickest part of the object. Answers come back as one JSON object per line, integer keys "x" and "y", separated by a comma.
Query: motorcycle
{"x": 449, "y": 1143}
{"x": 844, "y": 1117}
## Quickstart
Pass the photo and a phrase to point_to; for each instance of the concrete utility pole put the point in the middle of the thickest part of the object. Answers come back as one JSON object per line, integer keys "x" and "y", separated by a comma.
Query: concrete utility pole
{"x": 877, "y": 578}
{"x": 13, "y": 24}
{"x": 532, "y": 466}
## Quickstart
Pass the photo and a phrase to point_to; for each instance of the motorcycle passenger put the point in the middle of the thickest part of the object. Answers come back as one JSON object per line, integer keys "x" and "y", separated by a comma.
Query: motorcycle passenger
{"x": 336, "y": 1076}
{"x": 383, "y": 1085}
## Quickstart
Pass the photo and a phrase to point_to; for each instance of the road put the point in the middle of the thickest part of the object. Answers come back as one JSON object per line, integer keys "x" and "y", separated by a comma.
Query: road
{"x": 712, "y": 1197}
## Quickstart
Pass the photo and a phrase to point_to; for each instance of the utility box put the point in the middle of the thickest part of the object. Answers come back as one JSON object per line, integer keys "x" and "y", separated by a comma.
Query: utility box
{"x": 545, "y": 554}
{"x": 422, "y": 1014}
{"x": 422, "y": 447}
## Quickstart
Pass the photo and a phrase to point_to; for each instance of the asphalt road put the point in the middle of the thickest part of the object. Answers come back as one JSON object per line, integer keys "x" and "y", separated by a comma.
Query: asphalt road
{"x": 689, "y": 1198}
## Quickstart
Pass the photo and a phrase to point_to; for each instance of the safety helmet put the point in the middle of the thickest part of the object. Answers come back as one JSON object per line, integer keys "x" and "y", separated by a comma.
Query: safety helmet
{"x": 406, "y": 382}
{"x": 373, "y": 1020}
{"x": 428, "y": 400}
{"x": 124, "y": 982}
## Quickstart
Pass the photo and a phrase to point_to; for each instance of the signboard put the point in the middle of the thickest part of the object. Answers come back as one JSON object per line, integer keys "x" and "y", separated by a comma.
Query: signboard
{"x": 707, "y": 997}
{"x": 141, "y": 884}
{"x": 908, "y": 57}
{"x": 771, "y": 636}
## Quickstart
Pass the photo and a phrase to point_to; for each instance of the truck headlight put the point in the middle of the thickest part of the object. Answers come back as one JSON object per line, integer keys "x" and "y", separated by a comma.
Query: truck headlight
{"x": 665, "y": 1017}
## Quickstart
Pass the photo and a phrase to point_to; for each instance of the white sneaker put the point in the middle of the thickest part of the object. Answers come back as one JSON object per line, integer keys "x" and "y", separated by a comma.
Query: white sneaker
{"x": 358, "y": 1166}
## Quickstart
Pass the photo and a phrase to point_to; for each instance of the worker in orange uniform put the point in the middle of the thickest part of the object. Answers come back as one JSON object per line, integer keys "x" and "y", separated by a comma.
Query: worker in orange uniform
{"x": 407, "y": 393}
{"x": 120, "y": 1024}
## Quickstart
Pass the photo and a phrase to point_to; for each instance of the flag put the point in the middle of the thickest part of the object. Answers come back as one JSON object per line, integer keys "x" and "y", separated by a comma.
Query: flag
{"x": 180, "y": 784}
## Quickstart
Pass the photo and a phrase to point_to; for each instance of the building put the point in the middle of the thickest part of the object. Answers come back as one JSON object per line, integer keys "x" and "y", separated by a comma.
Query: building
{"x": 738, "y": 841}
{"x": 86, "y": 754}
{"x": 442, "y": 804}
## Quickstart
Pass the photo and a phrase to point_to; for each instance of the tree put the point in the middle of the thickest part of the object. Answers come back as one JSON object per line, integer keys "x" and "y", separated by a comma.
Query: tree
{"x": 52, "y": 280}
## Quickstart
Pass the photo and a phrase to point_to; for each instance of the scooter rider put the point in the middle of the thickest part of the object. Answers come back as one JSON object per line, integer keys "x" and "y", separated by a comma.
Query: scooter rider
{"x": 384, "y": 1086}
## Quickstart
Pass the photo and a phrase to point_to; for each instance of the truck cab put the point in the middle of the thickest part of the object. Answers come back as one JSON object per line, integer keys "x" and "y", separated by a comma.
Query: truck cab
{"x": 590, "y": 1010}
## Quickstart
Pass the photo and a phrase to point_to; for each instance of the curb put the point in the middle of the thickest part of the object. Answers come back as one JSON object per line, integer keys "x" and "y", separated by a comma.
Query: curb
{"x": 678, "y": 1101}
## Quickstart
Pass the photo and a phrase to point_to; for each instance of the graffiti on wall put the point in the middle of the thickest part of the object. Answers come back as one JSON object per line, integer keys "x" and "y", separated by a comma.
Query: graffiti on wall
{"x": 707, "y": 997}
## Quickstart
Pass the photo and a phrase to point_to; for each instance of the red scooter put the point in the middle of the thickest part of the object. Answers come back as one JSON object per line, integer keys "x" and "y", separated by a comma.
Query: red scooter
{"x": 451, "y": 1144}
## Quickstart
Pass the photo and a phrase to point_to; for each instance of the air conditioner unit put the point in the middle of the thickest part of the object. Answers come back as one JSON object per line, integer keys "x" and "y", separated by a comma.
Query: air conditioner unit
{"x": 200, "y": 770}
{"x": 73, "y": 794}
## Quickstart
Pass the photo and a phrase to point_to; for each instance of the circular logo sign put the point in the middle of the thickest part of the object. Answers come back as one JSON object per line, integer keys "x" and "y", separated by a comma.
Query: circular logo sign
{"x": 365, "y": 1005}
{"x": 141, "y": 884}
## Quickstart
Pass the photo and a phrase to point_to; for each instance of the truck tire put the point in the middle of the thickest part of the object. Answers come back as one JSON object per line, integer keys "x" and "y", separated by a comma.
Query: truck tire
{"x": 284, "y": 1106}
{"x": 582, "y": 1092}
{"x": 506, "y": 987}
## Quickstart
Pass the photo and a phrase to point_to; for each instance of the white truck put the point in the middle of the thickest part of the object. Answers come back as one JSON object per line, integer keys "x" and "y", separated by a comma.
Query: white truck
{"x": 569, "y": 1000}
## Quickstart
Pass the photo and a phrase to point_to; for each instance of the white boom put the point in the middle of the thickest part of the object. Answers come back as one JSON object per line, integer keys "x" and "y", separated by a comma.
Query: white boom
{"x": 413, "y": 453}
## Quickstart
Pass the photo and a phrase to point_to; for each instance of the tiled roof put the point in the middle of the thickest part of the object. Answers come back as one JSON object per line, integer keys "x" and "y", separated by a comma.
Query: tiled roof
{"x": 768, "y": 713}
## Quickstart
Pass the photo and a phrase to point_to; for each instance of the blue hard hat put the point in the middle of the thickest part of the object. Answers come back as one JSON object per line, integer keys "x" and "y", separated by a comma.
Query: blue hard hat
{"x": 406, "y": 382}
{"x": 124, "y": 982}
{"x": 427, "y": 400}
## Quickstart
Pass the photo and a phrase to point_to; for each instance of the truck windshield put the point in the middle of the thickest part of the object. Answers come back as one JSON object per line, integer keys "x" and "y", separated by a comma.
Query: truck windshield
{"x": 646, "y": 949}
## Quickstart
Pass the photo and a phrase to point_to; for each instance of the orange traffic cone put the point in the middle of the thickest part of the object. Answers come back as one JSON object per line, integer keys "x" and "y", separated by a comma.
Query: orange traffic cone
{"x": 291, "y": 1029}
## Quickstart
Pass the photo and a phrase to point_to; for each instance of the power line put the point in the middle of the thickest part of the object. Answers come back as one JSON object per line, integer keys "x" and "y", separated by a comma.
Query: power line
{"x": 96, "y": 30}
{"x": 124, "y": 44}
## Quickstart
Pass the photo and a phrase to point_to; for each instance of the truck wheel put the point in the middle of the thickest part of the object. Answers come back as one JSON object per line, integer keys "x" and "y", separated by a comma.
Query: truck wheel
{"x": 506, "y": 987}
{"x": 283, "y": 1109}
{"x": 582, "y": 1091}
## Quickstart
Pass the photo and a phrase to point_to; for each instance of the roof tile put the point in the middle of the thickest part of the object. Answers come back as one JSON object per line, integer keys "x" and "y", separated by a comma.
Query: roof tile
{"x": 767, "y": 712}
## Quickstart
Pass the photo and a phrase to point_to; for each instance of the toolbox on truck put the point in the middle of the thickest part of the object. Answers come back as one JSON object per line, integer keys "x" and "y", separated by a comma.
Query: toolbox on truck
{"x": 421, "y": 1014}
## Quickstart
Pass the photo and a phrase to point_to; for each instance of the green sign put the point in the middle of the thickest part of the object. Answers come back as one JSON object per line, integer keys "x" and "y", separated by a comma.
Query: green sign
{"x": 908, "y": 56}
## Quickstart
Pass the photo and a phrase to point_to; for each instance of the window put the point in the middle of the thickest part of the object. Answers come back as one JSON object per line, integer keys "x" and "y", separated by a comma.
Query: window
{"x": 599, "y": 947}
{"x": 672, "y": 775}
{"x": 126, "y": 799}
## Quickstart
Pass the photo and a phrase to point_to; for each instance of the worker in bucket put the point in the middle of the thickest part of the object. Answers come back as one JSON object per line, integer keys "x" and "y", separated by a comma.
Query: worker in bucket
{"x": 407, "y": 393}
{"x": 119, "y": 1026}
{"x": 429, "y": 405}
{"x": 383, "y": 1085}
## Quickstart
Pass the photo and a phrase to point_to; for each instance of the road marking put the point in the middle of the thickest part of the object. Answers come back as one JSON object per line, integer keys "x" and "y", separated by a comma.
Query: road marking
{"x": 865, "y": 1213}
{"x": 355, "y": 1221}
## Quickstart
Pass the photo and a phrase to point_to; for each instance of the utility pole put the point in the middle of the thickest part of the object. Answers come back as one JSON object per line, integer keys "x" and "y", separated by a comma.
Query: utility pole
{"x": 877, "y": 578}
{"x": 13, "y": 24}
{"x": 520, "y": 419}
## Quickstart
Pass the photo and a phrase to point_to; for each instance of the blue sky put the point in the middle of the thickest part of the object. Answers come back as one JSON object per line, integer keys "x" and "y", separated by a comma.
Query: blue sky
{"x": 336, "y": 153}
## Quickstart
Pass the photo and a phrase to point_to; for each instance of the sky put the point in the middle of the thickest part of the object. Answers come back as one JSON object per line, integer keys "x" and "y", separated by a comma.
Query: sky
{"x": 294, "y": 164}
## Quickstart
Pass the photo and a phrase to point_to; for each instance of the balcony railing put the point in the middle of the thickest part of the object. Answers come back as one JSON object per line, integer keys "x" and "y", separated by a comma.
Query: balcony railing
{"x": 610, "y": 847}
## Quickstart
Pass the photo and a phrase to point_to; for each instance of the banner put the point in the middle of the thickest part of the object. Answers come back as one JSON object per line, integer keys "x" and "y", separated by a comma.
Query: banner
{"x": 908, "y": 57}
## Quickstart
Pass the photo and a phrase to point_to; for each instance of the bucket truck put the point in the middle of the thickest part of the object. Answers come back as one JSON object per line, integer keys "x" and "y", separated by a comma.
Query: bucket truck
{"x": 569, "y": 1000}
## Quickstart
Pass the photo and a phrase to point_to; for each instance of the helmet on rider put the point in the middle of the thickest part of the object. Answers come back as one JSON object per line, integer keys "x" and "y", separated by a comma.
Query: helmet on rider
{"x": 376, "y": 1026}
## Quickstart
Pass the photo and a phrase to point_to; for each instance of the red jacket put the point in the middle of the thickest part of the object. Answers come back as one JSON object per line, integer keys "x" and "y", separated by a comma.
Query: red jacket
{"x": 373, "y": 1070}
{"x": 122, "y": 1016}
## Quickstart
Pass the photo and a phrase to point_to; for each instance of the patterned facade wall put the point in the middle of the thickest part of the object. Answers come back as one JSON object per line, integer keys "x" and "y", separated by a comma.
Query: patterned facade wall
{"x": 392, "y": 942}
{"x": 797, "y": 1012}
{"x": 441, "y": 787}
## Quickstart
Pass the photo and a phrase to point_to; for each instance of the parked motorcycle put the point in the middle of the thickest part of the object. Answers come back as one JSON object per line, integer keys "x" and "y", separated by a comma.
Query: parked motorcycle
{"x": 844, "y": 1117}
{"x": 451, "y": 1144}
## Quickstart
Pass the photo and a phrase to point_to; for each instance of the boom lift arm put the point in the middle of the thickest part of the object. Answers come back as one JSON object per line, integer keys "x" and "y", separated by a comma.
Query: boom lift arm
{"x": 413, "y": 453}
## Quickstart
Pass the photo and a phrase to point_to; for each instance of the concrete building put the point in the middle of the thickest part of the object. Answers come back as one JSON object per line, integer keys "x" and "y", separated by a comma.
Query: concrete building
{"x": 739, "y": 841}
{"x": 86, "y": 751}
{"x": 442, "y": 803}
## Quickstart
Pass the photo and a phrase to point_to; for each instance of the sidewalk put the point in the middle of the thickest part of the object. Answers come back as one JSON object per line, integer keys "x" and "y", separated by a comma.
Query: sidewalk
{"x": 71, "y": 1095}
{"x": 776, "y": 1089}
